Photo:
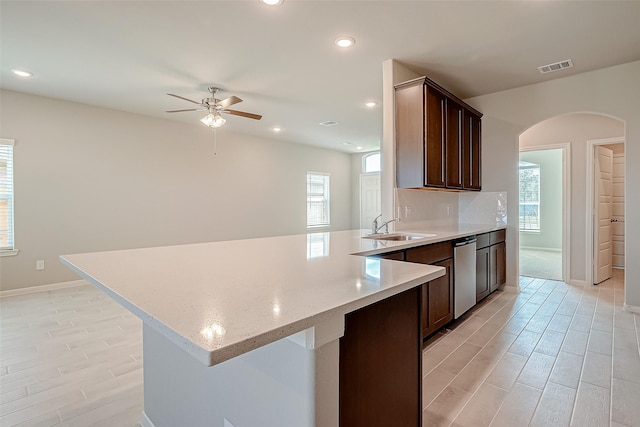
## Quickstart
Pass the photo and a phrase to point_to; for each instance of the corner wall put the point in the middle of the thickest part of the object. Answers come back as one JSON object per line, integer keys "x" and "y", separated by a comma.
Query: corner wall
{"x": 92, "y": 179}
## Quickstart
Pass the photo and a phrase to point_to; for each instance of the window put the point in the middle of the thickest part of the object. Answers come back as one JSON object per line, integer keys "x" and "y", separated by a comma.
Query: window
{"x": 317, "y": 199}
{"x": 6, "y": 195}
{"x": 371, "y": 163}
{"x": 529, "y": 196}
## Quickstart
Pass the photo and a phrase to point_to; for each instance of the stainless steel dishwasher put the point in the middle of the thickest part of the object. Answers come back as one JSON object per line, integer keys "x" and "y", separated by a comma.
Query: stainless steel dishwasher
{"x": 464, "y": 275}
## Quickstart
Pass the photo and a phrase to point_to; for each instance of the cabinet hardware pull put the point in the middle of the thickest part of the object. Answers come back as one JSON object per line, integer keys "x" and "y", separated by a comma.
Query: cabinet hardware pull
{"x": 471, "y": 150}
{"x": 460, "y": 136}
{"x": 442, "y": 140}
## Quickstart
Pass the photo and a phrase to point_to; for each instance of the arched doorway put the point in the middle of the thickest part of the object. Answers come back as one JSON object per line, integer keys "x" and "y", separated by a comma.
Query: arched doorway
{"x": 577, "y": 133}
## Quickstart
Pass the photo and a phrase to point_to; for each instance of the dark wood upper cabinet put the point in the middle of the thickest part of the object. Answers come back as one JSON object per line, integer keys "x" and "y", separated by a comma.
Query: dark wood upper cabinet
{"x": 434, "y": 143}
{"x": 437, "y": 138}
{"x": 471, "y": 151}
{"x": 453, "y": 153}
{"x": 410, "y": 121}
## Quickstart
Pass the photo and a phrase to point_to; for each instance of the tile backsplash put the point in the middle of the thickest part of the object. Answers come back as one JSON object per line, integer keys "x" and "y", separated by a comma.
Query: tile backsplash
{"x": 427, "y": 209}
{"x": 483, "y": 208}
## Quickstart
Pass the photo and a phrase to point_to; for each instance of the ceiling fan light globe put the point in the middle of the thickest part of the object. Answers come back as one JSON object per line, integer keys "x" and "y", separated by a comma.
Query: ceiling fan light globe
{"x": 208, "y": 119}
{"x": 214, "y": 120}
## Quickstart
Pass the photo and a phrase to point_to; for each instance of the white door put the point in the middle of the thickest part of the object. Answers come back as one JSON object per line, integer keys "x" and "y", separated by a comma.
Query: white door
{"x": 617, "y": 226}
{"x": 370, "y": 206}
{"x": 603, "y": 188}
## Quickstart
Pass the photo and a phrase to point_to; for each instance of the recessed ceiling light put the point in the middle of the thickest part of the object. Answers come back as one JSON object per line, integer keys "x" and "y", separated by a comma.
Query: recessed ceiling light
{"x": 276, "y": 129}
{"x": 371, "y": 104}
{"x": 345, "y": 41}
{"x": 358, "y": 148}
{"x": 328, "y": 123}
{"x": 21, "y": 73}
{"x": 272, "y": 2}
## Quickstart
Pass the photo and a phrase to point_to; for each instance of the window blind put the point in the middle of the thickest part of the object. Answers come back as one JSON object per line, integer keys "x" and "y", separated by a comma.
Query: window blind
{"x": 6, "y": 194}
{"x": 317, "y": 199}
{"x": 530, "y": 198}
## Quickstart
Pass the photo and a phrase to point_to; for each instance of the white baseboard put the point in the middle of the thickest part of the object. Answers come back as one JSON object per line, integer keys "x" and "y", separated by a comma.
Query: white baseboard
{"x": 537, "y": 248}
{"x": 574, "y": 282}
{"x": 512, "y": 289}
{"x": 631, "y": 308}
{"x": 145, "y": 421}
{"x": 43, "y": 288}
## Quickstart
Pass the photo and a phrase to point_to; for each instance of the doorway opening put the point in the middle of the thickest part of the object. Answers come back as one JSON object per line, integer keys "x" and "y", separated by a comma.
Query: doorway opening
{"x": 605, "y": 207}
{"x": 370, "y": 201}
{"x": 543, "y": 204}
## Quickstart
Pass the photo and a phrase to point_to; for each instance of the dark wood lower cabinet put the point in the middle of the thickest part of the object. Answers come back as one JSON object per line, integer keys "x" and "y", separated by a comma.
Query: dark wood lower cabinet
{"x": 381, "y": 364}
{"x": 437, "y": 301}
{"x": 491, "y": 263}
{"x": 498, "y": 265}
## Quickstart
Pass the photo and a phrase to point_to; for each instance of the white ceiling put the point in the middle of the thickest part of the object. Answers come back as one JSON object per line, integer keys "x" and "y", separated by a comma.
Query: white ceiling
{"x": 127, "y": 55}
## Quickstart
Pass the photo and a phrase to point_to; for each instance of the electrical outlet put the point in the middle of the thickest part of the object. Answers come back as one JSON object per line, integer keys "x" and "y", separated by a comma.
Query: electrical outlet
{"x": 40, "y": 264}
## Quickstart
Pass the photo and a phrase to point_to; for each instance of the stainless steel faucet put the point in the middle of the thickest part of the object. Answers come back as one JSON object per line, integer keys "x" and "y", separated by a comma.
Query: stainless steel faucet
{"x": 374, "y": 225}
{"x": 375, "y": 228}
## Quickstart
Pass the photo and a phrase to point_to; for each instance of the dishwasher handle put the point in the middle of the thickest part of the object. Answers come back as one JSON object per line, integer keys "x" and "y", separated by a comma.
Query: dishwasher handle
{"x": 464, "y": 241}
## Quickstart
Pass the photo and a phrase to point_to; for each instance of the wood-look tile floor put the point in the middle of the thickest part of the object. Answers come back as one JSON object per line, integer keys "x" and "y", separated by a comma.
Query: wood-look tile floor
{"x": 552, "y": 355}
{"x": 70, "y": 357}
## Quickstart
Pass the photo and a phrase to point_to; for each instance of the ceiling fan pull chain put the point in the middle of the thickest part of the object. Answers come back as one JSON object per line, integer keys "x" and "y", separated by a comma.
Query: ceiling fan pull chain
{"x": 215, "y": 141}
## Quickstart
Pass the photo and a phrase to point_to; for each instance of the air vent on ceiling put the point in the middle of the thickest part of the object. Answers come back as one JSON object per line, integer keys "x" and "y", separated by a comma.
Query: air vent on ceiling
{"x": 328, "y": 123}
{"x": 556, "y": 66}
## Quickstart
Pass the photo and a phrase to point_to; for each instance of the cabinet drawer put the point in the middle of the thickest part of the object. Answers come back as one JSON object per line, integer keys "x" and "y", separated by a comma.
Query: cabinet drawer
{"x": 430, "y": 254}
{"x": 498, "y": 236}
{"x": 483, "y": 241}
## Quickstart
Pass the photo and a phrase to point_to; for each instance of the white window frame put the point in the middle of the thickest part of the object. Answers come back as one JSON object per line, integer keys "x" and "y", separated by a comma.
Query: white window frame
{"x": 322, "y": 197}
{"x": 364, "y": 162}
{"x": 529, "y": 203}
{"x": 6, "y": 153}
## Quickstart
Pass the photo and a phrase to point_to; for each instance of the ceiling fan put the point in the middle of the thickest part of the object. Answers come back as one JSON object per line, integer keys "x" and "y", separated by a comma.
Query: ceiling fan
{"x": 215, "y": 107}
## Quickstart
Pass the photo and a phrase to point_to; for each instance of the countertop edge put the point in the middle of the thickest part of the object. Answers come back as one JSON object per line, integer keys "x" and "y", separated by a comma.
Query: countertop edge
{"x": 211, "y": 358}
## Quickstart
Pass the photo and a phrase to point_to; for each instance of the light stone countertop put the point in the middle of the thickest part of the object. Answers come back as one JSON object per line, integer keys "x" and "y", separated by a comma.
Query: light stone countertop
{"x": 221, "y": 299}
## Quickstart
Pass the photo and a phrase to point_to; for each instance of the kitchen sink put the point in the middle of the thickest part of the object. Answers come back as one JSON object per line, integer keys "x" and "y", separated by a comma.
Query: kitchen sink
{"x": 398, "y": 236}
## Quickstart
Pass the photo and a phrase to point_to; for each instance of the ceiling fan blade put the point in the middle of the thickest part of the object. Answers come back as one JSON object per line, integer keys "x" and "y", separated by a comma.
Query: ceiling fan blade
{"x": 228, "y": 101}
{"x": 243, "y": 114}
{"x": 180, "y": 111}
{"x": 182, "y": 97}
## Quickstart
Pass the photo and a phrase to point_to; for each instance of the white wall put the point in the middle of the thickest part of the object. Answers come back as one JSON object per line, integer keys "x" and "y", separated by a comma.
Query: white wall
{"x": 610, "y": 91}
{"x": 91, "y": 179}
{"x": 550, "y": 235}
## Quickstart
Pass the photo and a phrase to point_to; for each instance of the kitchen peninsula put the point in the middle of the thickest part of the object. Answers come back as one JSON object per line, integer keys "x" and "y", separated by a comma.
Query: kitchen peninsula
{"x": 259, "y": 331}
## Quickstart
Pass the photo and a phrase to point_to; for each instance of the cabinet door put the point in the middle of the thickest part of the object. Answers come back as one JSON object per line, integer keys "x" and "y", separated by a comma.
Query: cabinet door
{"x": 471, "y": 152}
{"x": 437, "y": 301}
{"x": 482, "y": 273}
{"x": 434, "y": 144}
{"x": 498, "y": 266}
{"x": 453, "y": 148}
{"x": 493, "y": 268}
{"x": 410, "y": 135}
